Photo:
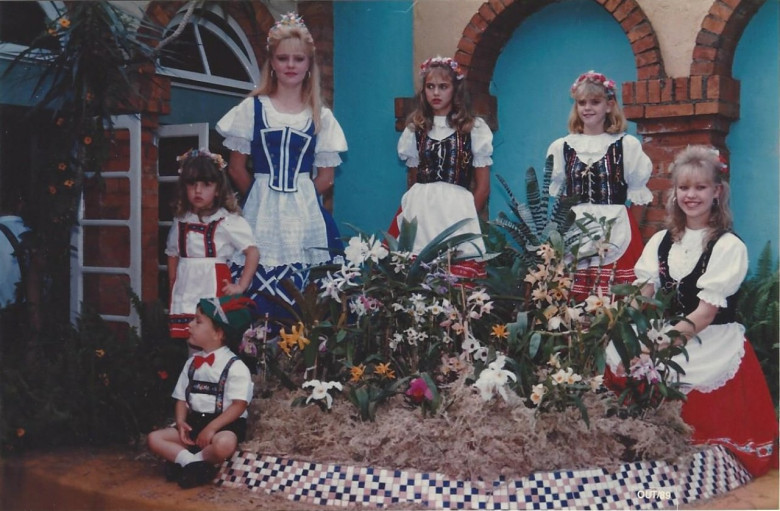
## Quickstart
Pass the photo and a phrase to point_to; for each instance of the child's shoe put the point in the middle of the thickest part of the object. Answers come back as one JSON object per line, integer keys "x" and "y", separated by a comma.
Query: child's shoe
{"x": 197, "y": 474}
{"x": 172, "y": 471}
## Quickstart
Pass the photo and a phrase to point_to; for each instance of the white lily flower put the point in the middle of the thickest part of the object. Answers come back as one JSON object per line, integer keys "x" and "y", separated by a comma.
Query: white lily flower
{"x": 330, "y": 288}
{"x": 493, "y": 379}
{"x": 320, "y": 390}
{"x": 356, "y": 250}
{"x": 596, "y": 382}
{"x": 376, "y": 250}
{"x": 559, "y": 377}
{"x": 537, "y": 393}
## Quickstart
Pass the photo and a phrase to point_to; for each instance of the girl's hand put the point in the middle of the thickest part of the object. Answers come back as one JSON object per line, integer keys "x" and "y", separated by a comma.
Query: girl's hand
{"x": 230, "y": 288}
{"x": 205, "y": 436}
{"x": 184, "y": 433}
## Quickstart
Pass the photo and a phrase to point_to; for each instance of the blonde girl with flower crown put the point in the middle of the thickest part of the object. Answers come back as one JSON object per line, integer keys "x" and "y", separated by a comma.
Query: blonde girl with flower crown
{"x": 608, "y": 170}
{"x": 448, "y": 153}
{"x": 207, "y": 231}
{"x": 703, "y": 263}
{"x": 293, "y": 143}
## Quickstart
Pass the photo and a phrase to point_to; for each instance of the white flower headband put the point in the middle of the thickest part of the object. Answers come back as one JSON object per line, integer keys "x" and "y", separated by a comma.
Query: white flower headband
{"x": 444, "y": 62}
{"x": 289, "y": 20}
{"x": 598, "y": 78}
{"x": 193, "y": 153}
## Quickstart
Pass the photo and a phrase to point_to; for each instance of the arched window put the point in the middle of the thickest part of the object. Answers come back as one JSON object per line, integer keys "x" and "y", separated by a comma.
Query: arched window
{"x": 212, "y": 53}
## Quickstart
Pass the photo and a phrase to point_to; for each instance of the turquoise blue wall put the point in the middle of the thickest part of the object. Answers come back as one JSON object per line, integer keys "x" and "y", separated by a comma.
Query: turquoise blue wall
{"x": 372, "y": 66}
{"x": 532, "y": 79}
{"x": 754, "y": 138}
{"x": 192, "y": 106}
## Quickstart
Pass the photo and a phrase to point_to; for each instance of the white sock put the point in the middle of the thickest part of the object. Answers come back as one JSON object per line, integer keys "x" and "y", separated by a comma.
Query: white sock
{"x": 184, "y": 457}
{"x": 198, "y": 456}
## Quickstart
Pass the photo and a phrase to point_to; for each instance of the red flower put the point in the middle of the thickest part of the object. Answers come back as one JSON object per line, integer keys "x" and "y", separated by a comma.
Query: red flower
{"x": 419, "y": 391}
{"x": 162, "y": 374}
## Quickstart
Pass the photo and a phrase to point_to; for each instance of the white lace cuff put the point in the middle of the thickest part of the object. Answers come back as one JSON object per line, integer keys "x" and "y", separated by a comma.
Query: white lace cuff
{"x": 238, "y": 144}
{"x": 327, "y": 159}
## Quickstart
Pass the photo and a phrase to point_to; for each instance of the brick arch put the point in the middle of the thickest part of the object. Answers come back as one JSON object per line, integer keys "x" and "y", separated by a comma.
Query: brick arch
{"x": 492, "y": 26}
{"x": 719, "y": 36}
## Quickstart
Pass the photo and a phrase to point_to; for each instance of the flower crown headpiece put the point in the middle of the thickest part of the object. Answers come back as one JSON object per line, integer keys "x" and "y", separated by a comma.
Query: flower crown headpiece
{"x": 442, "y": 61}
{"x": 598, "y": 78}
{"x": 722, "y": 164}
{"x": 291, "y": 19}
{"x": 193, "y": 153}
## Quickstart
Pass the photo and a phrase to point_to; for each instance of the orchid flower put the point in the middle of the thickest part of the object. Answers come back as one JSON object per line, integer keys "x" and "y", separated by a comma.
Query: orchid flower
{"x": 493, "y": 379}
{"x": 320, "y": 390}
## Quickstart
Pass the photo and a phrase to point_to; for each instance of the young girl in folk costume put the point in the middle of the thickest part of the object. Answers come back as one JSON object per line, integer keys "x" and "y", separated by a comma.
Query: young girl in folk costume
{"x": 447, "y": 151}
{"x": 704, "y": 264}
{"x": 207, "y": 231}
{"x": 607, "y": 169}
{"x": 212, "y": 395}
{"x": 294, "y": 142}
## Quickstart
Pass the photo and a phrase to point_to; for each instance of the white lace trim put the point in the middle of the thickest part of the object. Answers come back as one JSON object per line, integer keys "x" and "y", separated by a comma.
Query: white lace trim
{"x": 732, "y": 367}
{"x": 238, "y": 144}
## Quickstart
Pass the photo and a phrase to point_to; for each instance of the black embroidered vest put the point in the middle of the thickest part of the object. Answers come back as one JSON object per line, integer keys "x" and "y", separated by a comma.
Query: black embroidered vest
{"x": 685, "y": 290}
{"x": 603, "y": 182}
{"x": 448, "y": 160}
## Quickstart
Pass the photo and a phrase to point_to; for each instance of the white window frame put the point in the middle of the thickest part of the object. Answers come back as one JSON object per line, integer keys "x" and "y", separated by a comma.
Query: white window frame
{"x": 245, "y": 55}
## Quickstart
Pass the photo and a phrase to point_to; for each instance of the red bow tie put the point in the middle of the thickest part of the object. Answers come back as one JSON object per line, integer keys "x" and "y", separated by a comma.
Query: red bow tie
{"x": 199, "y": 361}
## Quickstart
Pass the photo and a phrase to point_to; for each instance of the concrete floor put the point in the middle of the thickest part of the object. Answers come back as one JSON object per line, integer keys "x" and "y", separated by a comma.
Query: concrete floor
{"x": 124, "y": 480}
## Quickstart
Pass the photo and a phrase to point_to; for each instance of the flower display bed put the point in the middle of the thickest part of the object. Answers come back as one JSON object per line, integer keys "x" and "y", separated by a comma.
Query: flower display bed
{"x": 640, "y": 485}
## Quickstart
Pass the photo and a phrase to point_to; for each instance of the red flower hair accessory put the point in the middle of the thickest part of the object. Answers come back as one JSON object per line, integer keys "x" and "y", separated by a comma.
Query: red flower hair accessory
{"x": 439, "y": 61}
{"x": 597, "y": 78}
{"x": 723, "y": 165}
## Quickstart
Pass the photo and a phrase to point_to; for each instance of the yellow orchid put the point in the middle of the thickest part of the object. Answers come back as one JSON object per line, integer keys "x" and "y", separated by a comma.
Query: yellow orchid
{"x": 357, "y": 373}
{"x": 500, "y": 331}
{"x": 295, "y": 338}
{"x": 384, "y": 370}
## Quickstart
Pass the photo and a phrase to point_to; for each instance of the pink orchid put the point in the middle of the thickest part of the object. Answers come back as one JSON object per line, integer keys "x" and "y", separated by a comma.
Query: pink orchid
{"x": 418, "y": 391}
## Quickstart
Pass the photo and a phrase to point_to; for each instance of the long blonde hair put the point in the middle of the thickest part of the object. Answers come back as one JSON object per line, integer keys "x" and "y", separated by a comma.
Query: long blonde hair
{"x": 700, "y": 160}
{"x": 310, "y": 92}
{"x": 615, "y": 120}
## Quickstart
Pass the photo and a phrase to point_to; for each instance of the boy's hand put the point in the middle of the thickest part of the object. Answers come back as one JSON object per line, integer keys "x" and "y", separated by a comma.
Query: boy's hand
{"x": 231, "y": 289}
{"x": 205, "y": 436}
{"x": 184, "y": 433}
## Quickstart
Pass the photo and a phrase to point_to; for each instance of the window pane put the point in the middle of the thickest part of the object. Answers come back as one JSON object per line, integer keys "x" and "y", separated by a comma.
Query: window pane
{"x": 22, "y": 22}
{"x": 222, "y": 61}
{"x": 169, "y": 149}
{"x": 182, "y": 52}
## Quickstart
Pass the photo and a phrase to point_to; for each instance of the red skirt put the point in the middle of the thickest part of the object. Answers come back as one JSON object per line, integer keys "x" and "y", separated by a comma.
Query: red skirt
{"x": 591, "y": 280}
{"x": 739, "y": 415}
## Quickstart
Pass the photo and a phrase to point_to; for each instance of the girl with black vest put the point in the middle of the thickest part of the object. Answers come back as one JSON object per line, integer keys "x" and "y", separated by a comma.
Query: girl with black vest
{"x": 703, "y": 263}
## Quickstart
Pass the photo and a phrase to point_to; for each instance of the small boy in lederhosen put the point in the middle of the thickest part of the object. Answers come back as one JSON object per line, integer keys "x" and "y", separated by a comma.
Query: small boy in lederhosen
{"x": 212, "y": 395}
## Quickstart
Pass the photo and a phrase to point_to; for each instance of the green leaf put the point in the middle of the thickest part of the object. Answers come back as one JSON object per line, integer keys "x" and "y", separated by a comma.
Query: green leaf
{"x": 533, "y": 346}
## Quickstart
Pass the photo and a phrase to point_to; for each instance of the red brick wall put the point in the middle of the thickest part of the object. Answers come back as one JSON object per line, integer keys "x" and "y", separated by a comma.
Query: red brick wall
{"x": 669, "y": 113}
